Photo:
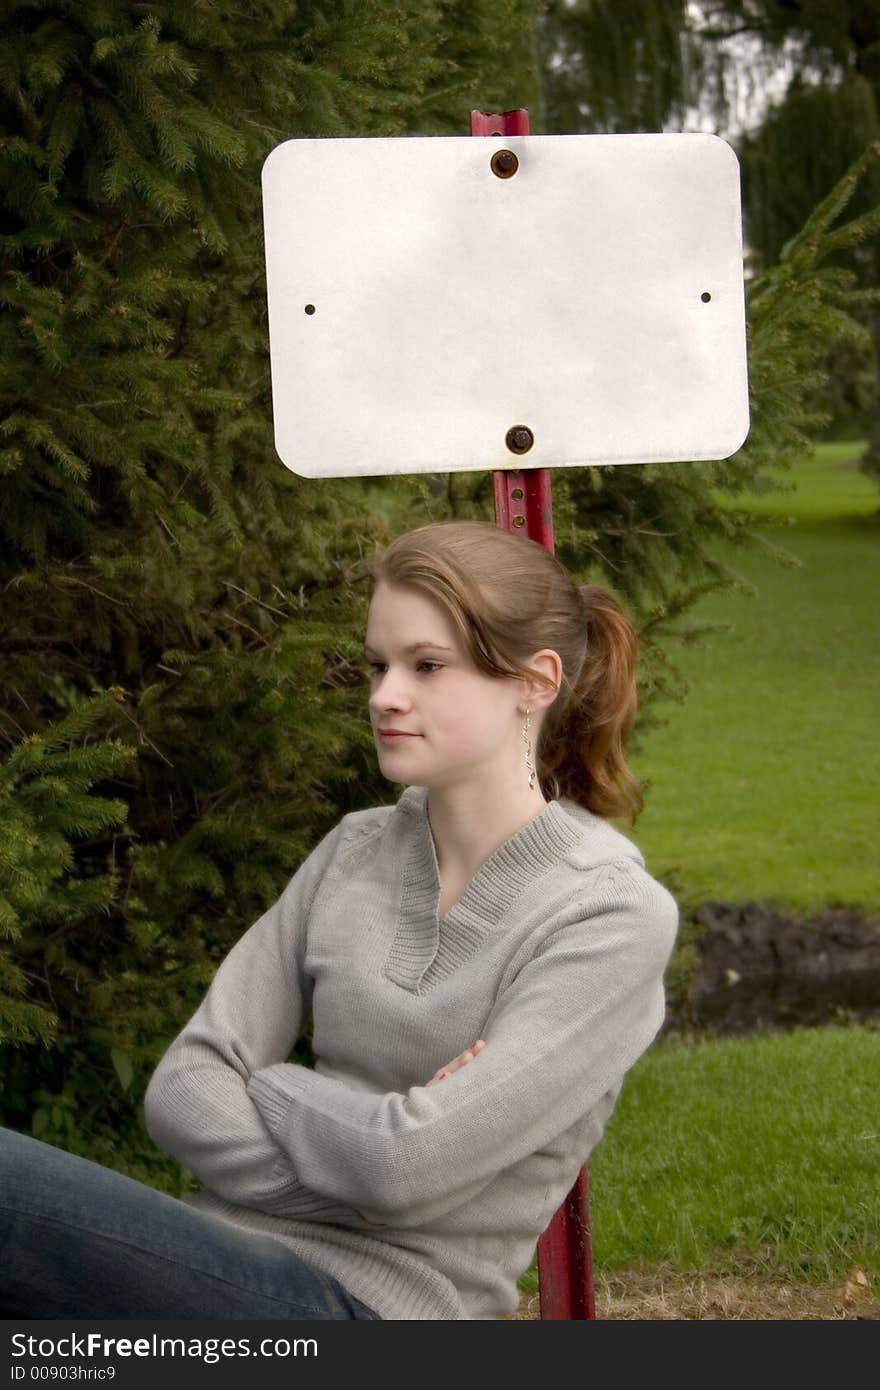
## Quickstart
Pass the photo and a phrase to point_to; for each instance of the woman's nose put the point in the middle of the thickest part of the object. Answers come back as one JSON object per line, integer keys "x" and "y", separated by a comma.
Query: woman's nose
{"x": 388, "y": 690}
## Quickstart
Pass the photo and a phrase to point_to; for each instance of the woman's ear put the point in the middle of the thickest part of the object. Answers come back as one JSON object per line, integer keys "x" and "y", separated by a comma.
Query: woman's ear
{"x": 536, "y": 695}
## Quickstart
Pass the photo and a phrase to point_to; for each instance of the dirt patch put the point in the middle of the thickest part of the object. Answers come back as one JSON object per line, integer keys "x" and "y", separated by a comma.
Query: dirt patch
{"x": 666, "y": 1296}
{"x": 756, "y": 968}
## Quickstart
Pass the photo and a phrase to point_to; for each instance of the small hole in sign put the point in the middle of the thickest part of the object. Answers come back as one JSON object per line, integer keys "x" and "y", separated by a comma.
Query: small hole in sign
{"x": 705, "y": 296}
{"x": 310, "y": 308}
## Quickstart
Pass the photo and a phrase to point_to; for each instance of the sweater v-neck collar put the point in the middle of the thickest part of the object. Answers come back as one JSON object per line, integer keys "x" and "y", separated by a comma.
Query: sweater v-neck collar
{"x": 427, "y": 947}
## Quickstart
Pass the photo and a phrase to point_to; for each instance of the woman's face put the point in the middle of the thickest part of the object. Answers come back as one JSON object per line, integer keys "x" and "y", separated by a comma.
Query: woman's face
{"x": 464, "y": 724}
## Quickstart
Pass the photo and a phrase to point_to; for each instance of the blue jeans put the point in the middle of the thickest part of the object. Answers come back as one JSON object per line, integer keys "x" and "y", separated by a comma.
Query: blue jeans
{"x": 78, "y": 1240}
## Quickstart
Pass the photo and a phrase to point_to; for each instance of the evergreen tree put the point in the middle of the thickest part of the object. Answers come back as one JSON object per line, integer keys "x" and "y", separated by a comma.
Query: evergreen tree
{"x": 172, "y": 597}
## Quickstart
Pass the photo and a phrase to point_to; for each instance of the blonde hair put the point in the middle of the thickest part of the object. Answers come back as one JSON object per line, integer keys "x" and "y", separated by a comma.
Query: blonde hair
{"x": 507, "y": 598}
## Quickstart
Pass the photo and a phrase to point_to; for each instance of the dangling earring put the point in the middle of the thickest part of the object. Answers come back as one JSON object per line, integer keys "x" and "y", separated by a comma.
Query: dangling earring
{"x": 525, "y": 733}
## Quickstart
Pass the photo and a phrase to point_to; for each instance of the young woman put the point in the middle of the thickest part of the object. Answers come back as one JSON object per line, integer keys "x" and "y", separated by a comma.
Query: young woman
{"x": 481, "y": 961}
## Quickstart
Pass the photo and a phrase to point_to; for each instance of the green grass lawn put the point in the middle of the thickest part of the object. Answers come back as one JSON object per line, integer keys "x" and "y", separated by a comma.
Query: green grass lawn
{"x": 764, "y": 781}
{"x": 727, "y": 1153}
{"x": 767, "y": 1146}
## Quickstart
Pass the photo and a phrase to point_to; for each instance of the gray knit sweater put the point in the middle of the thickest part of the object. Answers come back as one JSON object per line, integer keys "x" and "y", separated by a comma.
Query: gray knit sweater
{"x": 425, "y": 1202}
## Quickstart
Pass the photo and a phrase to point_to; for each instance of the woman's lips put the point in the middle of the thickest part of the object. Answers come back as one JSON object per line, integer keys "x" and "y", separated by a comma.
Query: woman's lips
{"x": 395, "y": 738}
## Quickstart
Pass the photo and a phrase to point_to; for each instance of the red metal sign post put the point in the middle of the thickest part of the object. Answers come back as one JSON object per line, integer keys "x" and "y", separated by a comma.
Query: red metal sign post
{"x": 523, "y": 505}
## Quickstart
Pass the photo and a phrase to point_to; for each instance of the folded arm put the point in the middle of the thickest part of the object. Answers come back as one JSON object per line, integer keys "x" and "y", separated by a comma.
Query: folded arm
{"x": 196, "y": 1105}
{"x": 574, "y": 1020}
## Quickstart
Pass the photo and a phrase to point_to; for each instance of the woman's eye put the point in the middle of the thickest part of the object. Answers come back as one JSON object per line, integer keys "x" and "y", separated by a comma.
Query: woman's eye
{"x": 379, "y": 666}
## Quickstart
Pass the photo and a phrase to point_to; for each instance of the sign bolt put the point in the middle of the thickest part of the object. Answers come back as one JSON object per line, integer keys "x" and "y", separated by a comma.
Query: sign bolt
{"x": 519, "y": 439}
{"x": 504, "y": 164}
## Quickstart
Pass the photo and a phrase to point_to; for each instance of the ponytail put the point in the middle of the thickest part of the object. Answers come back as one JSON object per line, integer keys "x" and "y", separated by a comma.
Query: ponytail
{"x": 585, "y": 755}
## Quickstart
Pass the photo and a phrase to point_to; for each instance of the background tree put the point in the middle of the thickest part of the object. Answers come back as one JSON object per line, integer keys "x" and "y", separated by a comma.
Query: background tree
{"x": 828, "y": 115}
{"x": 611, "y": 68}
{"x": 648, "y": 66}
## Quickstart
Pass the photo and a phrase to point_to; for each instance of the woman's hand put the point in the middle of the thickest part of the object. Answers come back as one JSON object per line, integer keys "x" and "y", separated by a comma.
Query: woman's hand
{"x": 460, "y": 1061}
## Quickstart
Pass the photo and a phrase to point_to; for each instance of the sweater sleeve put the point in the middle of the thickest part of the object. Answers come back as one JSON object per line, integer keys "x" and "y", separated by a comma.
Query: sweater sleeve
{"x": 196, "y": 1105}
{"x": 559, "y": 1037}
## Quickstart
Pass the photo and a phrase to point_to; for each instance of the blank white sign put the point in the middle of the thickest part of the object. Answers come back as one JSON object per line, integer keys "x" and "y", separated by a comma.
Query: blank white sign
{"x": 420, "y": 306}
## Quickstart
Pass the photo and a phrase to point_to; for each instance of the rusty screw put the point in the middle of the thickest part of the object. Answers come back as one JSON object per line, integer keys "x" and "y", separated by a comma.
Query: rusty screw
{"x": 519, "y": 439}
{"x": 504, "y": 164}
